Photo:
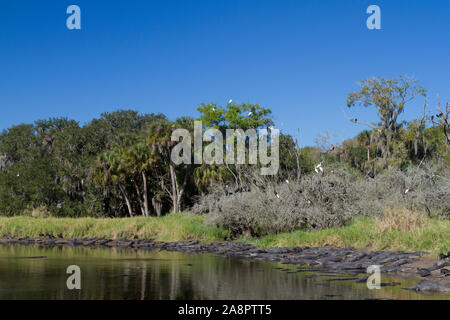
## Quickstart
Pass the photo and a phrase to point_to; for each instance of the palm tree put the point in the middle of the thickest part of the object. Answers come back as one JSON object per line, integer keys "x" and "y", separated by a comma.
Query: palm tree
{"x": 206, "y": 175}
{"x": 110, "y": 169}
{"x": 159, "y": 140}
{"x": 140, "y": 158}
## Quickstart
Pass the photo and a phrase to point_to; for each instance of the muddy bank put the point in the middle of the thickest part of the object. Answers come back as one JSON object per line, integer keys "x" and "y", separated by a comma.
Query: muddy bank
{"x": 347, "y": 261}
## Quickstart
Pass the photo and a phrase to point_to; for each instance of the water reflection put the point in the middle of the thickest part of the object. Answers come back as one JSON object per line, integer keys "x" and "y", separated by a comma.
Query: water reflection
{"x": 132, "y": 274}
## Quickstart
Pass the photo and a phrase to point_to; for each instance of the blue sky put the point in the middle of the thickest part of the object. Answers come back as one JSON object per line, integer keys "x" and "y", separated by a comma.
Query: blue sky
{"x": 299, "y": 58}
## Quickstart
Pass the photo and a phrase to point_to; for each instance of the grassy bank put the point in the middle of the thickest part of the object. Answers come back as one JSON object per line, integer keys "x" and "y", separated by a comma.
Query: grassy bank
{"x": 365, "y": 233}
{"x": 429, "y": 235}
{"x": 173, "y": 227}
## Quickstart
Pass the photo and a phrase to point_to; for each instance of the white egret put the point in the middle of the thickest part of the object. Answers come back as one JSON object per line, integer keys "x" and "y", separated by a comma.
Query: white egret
{"x": 318, "y": 167}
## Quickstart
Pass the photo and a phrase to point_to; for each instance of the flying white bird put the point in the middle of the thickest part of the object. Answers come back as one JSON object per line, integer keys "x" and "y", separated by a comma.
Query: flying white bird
{"x": 231, "y": 100}
{"x": 277, "y": 195}
{"x": 318, "y": 167}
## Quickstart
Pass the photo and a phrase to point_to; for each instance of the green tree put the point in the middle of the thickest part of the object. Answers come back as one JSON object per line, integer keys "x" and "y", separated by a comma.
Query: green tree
{"x": 231, "y": 116}
{"x": 389, "y": 97}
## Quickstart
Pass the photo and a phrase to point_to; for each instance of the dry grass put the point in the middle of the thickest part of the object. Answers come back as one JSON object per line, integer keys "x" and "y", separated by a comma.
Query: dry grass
{"x": 39, "y": 212}
{"x": 401, "y": 219}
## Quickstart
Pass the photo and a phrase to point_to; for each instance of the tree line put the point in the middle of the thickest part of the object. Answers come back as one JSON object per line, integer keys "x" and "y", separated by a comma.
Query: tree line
{"x": 119, "y": 164}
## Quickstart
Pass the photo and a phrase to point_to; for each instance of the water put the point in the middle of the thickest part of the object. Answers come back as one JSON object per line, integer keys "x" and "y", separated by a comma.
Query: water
{"x": 130, "y": 274}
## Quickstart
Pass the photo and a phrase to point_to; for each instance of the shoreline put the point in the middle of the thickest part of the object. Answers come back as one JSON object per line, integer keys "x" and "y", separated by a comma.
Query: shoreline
{"x": 347, "y": 261}
{"x": 360, "y": 233}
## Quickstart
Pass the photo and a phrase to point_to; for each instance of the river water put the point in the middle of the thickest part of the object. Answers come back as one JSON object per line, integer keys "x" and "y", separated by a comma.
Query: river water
{"x": 31, "y": 272}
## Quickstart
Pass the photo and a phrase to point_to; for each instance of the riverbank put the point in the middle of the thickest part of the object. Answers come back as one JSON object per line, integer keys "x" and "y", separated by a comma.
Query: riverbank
{"x": 366, "y": 234}
{"x": 362, "y": 234}
{"x": 172, "y": 227}
{"x": 347, "y": 263}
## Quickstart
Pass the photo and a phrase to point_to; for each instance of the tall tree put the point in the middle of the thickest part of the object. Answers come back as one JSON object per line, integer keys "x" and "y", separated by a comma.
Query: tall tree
{"x": 389, "y": 97}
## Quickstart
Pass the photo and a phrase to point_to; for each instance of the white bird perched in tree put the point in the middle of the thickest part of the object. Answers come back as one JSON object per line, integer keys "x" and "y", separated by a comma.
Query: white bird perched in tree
{"x": 18, "y": 174}
{"x": 277, "y": 195}
{"x": 250, "y": 113}
{"x": 406, "y": 191}
{"x": 318, "y": 167}
{"x": 287, "y": 181}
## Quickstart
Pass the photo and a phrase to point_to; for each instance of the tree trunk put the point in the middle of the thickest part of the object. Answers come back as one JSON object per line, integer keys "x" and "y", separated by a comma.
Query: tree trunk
{"x": 173, "y": 180}
{"x": 130, "y": 210}
{"x": 297, "y": 156}
{"x": 180, "y": 191}
{"x": 157, "y": 206}
{"x": 144, "y": 181}
{"x": 139, "y": 198}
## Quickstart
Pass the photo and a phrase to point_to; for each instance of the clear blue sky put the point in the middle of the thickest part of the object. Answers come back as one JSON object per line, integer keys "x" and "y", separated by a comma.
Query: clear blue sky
{"x": 299, "y": 58}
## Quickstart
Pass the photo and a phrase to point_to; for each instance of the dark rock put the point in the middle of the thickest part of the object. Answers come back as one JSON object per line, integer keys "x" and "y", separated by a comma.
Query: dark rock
{"x": 440, "y": 264}
{"x": 424, "y": 272}
{"x": 445, "y": 272}
{"x": 340, "y": 279}
{"x": 400, "y": 262}
{"x": 356, "y": 257}
{"x": 429, "y": 286}
{"x": 390, "y": 284}
{"x": 443, "y": 256}
{"x": 362, "y": 280}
